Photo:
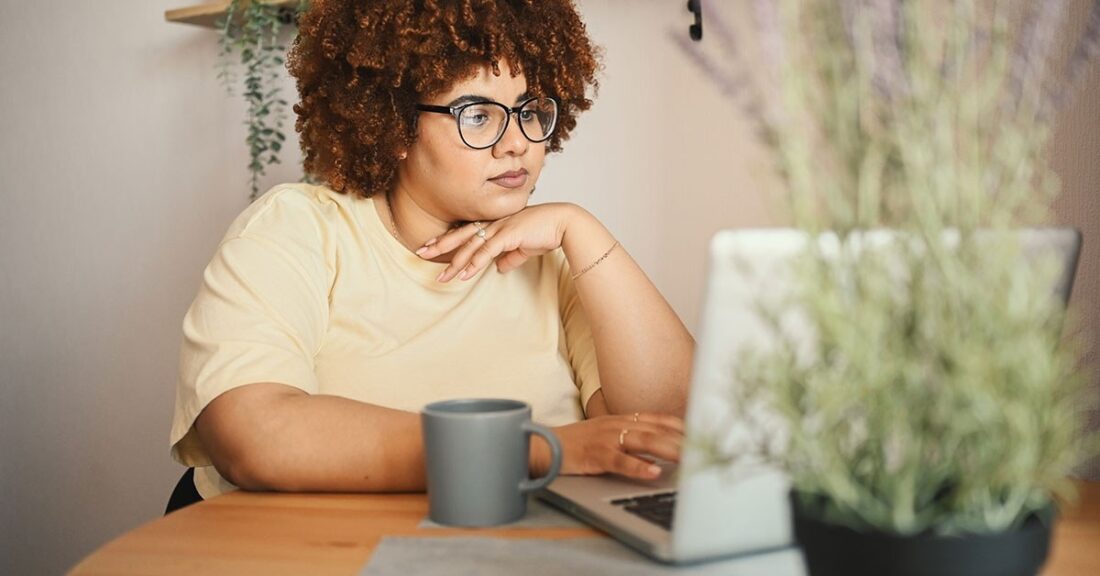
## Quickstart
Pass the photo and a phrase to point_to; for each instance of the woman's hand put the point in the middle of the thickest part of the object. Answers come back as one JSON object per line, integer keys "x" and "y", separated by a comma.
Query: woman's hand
{"x": 592, "y": 446}
{"x": 510, "y": 241}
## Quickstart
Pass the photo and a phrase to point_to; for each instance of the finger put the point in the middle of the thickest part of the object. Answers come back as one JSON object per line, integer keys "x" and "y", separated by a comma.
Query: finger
{"x": 631, "y": 466}
{"x": 663, "y": 446}
{"x": 443, "y": 243}
{"x": 658, "y": 422}
{"x": 461, "y": 258}
{"x": 481, "y": 256}
{"x": 664, "y": 420}
{"x": 447, "y": 242}
{"x": 661, "y": 423}
{"x": 500, "y": 242}
{"x": 511, "y": 260}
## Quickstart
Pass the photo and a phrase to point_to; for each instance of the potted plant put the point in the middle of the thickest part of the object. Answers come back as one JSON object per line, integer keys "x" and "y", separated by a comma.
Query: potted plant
{"x": 931, "y": 405}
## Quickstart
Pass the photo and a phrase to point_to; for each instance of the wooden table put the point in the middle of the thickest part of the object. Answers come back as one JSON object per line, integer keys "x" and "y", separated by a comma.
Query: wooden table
{"x": 270, "y": 534}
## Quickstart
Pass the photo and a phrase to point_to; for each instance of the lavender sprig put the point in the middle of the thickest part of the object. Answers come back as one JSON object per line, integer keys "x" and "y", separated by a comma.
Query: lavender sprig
{"x": 771, "y": 32}
{"x": 716, "y": 24}
{"x": 889, "y": 77}
{"x": 774, "y": 53}
{"x": 1033, "y": 52}
{"x": 1087, "y": 49}
{"x": 850, "y": 11}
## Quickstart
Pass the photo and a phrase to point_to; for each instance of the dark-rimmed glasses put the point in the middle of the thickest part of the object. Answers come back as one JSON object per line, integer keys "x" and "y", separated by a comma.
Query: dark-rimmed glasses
{"x": 482, "y": 124}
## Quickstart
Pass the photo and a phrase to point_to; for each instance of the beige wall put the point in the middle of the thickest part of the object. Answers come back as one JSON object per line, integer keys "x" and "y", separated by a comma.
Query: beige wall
{"x": 121, "y": 164}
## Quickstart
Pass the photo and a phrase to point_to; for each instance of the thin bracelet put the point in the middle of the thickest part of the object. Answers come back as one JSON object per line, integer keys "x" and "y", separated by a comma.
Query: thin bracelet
{"x": 598, "y": 260}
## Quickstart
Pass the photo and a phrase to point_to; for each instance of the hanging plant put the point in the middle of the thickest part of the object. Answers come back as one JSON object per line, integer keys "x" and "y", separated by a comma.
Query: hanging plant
{"x": 251, "y": 29}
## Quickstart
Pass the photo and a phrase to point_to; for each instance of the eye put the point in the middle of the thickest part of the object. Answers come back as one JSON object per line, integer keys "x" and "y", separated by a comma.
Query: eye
{"x": 475, "y": 117}
{"x": 527, "y": 115}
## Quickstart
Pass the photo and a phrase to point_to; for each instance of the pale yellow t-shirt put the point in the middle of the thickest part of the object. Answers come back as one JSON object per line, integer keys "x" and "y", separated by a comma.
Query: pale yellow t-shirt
{"x": 308, "y": 288}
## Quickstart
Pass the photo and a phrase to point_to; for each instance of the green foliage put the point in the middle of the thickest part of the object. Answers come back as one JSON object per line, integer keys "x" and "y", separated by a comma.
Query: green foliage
{"x": 252, "y": 29}
{"x": 940, "y": 394}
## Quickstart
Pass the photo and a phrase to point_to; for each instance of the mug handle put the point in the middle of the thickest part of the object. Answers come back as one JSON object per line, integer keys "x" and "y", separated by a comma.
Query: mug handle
{"x": 529, "y": 485}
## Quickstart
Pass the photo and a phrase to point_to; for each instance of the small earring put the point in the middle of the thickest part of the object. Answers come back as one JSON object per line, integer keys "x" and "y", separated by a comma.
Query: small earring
{"x": 403, "y": 156}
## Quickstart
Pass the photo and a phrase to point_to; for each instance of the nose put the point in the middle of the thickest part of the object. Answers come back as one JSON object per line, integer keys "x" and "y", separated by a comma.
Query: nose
{"x": 512, "y": 142}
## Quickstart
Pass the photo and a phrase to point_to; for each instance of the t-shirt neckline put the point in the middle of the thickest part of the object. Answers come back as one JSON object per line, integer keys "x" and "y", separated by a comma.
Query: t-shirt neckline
{"x": 423, "y": 271}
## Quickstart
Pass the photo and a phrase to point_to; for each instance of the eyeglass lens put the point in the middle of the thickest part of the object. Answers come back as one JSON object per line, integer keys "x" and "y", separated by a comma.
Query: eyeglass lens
{"x": 481, "y": 125}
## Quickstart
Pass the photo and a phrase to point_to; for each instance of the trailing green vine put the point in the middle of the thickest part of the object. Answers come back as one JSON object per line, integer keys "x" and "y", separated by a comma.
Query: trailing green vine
{"x": 252, "y": 29}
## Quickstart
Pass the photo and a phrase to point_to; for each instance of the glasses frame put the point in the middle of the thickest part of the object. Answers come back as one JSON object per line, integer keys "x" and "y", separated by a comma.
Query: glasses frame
{"x": 456, "y": 112}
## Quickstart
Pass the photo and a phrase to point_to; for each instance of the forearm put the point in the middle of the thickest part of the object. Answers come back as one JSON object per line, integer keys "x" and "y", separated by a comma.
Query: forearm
{"x": 597, "y": 406}
{"x": 291, "y": 441}
{"x": 643, "y": 349}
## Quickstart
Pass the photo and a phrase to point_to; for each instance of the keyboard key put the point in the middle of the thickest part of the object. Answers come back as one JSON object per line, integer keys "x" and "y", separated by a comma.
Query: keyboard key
{"x": 658, "y": 509}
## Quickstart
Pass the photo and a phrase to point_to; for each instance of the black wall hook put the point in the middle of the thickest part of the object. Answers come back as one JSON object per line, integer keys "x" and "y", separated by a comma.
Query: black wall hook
{"x": 696, "y": 29}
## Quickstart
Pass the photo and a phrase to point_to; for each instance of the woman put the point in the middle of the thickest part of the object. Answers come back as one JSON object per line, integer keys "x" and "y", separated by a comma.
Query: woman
{"x": 331, "y": 314}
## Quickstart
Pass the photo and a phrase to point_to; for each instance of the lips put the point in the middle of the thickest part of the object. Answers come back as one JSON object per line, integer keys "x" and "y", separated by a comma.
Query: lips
{"x": 511, "y": 179}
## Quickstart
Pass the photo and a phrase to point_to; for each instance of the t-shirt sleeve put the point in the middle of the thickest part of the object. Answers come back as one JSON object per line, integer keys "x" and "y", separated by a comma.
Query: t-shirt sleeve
{"x": 580, "y": 345}
{"x": 260, "y": 313}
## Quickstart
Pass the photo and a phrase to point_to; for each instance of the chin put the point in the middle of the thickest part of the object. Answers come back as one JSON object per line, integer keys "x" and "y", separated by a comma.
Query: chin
{"x": 505, "y": 203}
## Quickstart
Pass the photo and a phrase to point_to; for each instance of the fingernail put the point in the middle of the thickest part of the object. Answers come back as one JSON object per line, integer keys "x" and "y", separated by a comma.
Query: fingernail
{"x": 430, "y": 242}
{"x": 441, "y": 275}
{"x": 465, "y": 274}
{"x": 654, "y": 470}
{"x": 421, "y": 250}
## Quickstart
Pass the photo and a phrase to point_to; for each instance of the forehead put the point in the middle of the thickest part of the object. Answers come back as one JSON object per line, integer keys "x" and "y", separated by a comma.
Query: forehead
{"x": 502, "y": 88}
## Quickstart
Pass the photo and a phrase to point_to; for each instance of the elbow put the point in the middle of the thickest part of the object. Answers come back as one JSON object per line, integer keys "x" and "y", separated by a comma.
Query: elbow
{"x": 240, "y": 459}
{"x": 248, "y": 471}
{"x": 246, "y": 460}
{"x": 242, "y": 432}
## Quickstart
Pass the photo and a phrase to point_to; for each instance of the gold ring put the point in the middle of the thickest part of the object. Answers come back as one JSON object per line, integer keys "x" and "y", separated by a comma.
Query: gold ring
{"x": 622, "y": 437}
{"x": 635, "y": 416}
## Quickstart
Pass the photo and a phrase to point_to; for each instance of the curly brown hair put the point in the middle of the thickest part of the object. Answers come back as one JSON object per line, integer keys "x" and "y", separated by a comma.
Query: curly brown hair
{"x": 362, "y": 65}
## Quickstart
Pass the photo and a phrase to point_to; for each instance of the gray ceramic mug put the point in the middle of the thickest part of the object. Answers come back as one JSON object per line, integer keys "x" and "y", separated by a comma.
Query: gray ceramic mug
{"x": 477, "y": 459}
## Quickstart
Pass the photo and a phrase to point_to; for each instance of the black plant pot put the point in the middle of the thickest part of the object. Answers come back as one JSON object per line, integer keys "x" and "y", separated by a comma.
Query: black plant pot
{"x": 834, "y": 550}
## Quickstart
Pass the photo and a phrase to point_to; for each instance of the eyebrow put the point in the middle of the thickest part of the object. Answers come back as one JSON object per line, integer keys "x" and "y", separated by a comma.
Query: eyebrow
{"x": 469, "y": 98}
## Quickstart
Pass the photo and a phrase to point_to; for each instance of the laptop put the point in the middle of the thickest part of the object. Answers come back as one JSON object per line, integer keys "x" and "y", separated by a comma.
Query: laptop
{"x": 696, "y": 513}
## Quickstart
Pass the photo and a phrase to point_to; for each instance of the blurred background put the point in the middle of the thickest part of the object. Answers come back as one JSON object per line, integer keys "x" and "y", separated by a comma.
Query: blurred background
{"x": 122, "y": 162}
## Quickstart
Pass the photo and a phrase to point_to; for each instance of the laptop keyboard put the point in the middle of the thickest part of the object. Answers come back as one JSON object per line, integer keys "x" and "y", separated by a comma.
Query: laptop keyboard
{"x": 656, "y": 508}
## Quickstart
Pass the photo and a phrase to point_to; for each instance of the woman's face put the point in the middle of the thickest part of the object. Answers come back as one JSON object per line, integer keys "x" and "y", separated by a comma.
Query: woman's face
{"x": 454, "y": 182}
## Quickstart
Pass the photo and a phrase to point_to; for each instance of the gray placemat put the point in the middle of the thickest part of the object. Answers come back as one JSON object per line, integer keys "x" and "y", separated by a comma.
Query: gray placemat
{"x": 539, "y": 515}
{"x": 481, "y": 556}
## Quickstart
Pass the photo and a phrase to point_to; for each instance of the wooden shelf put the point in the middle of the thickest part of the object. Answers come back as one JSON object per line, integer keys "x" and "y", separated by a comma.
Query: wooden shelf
{"x": 209, "y": 14}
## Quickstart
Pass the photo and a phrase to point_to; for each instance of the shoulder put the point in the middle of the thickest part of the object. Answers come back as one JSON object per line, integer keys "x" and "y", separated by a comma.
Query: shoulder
{"x": 296, "y": 209}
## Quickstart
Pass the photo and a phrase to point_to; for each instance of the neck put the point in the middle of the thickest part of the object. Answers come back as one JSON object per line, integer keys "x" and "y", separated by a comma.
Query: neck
{"x": 411, "y": 224}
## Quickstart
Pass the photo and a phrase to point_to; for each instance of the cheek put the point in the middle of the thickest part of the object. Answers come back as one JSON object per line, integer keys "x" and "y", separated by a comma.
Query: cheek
{"x": 538, "y": 157}
{"x": 442, "y": 164}
{"x": 460, "y": 172}
{"x": 449, "y": 179}
{"x": 537, "y": 161}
